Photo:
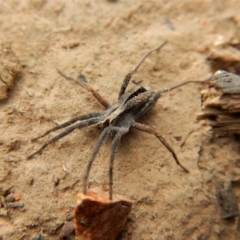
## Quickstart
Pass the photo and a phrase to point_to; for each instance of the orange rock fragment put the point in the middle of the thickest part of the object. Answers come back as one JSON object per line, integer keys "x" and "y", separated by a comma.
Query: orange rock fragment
{"x": 98, "y": 218}
{"x": 17, "y": 196}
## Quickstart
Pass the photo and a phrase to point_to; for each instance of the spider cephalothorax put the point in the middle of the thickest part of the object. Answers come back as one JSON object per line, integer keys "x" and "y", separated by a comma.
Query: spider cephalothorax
{"x": 118, "y": 119}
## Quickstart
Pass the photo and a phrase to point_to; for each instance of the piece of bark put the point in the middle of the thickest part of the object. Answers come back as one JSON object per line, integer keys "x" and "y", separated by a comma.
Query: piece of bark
{"x": 98, "y": 217}
{"x": 221, "y": 103}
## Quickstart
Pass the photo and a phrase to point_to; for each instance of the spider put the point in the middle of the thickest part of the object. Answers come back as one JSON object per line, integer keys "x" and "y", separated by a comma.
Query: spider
{"x": 117, "y": 118}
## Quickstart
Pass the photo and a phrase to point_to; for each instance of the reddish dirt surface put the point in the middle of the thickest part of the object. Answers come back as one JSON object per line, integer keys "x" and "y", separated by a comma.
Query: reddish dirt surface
{"x": 103, "y": 40}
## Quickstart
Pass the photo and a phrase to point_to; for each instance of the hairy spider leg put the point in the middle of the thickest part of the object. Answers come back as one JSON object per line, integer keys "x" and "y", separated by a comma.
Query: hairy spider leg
{"x": 148, "y": 129}
{"x": 70, "y": 122}
{"x": 105, "y": 133}
{"x": 182, "y": 84}
{"x": 135, "y": 68}
{"x": 82, "y": 124}
{"x": 95, "y": 94}
{"x": 115, "y": 143}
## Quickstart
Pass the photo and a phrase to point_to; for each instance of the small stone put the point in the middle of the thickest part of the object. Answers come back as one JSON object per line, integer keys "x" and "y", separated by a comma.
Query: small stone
{"x": 70, "y": 44}
{"x": 30, "y": 180}
{"x": 31, "y": 225}
{"x": 227, "y": 200}
{"x": 17, "y": 196}
{"x": 3, "y": 212}
{"x": 55, "y": 180}
{"x": 98, "y": 217}
{"x": 15, "y": 205}
{"x": 10, "y": 198}
{"x": 69, "y": 218}
{"x": 178, "y": 138}
{"x": 82, "y": 78}
{"x": 66, "y": 230}
{"x": 39, "y": 237}
{"x": 137, "y": 80}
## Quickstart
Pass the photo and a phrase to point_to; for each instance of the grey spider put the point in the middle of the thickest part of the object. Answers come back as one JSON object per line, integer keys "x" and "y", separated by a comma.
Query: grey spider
{"x": 117, "y": 118}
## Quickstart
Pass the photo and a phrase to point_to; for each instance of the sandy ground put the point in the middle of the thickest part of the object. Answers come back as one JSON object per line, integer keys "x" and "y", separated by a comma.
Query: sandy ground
{"x": 103, "y": 40}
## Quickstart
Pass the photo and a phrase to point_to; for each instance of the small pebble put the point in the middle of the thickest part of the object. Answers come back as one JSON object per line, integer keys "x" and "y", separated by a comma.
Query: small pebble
{"x": 82, "y": 78}
{"x": 66, "y": 230}
{"x": 178, "y": 138}
{"x": 17, "y": 196}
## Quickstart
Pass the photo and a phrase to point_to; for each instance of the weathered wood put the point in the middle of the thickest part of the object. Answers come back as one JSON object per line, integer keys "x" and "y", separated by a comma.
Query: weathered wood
{"x": 221, "y": 103}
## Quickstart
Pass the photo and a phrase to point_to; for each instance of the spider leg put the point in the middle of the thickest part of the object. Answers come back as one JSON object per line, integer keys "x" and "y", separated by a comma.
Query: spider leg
{"x": 82, "y": 124}
{"x": 182, "y": 84}
{"x": 95, "y": 94}
{"x": 71, "y": 121}
{"x": 148, "y": 129}
{"x": 115, "y": 144}
{"x": 100, "y": 141}
{"x": 135, "y": 68}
